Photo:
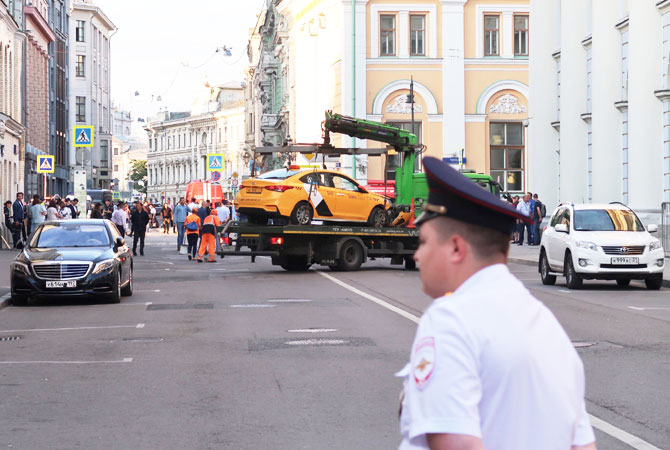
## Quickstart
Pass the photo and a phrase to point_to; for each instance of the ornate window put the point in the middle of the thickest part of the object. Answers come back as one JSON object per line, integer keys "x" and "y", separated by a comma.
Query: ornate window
{"x": 507, "y": 147}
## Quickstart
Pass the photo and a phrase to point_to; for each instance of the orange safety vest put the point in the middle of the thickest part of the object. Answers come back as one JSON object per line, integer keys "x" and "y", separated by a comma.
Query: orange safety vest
{"x": 211, "y": 222}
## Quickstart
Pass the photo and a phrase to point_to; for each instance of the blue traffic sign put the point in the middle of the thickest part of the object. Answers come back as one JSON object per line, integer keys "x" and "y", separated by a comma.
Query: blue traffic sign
{"x": 82, "y": 136}
{"x": 45, "y": 164}
{"x": 214, "y": 162}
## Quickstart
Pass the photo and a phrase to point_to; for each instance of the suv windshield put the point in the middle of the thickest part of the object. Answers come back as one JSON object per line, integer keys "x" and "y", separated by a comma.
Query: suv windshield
{"x": 279, "y": 174}
{"x": 60, "y": 235}
{"x": 606, "y": 220}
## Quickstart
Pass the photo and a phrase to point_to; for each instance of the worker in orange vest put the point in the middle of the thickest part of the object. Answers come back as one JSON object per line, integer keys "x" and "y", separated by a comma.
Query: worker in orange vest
{"x": 208, "y": 236}
{"x": 192, "y": 226}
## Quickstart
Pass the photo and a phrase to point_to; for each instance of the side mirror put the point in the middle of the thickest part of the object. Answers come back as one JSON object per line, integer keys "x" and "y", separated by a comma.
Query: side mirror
{"x": 120, "y": 242}
{"x": 561, "y": 228}
{"x": 652, "y": 228}
{"x": 362, "y": 190}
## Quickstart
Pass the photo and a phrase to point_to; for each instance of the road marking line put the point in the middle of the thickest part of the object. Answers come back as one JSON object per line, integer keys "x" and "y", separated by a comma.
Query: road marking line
{"x": 289, "y": 300}
{"x": 252, "y": 306}
{"x": 317, "y": 342}
{"x": 313, "y": 330}
{"x": 637, "y": 308}
{"x": 374, "y": 299}
{"x": 139, "y": 325}
{"x": 564, "y": 290}
{"x": 147, "y": 290}
{"x": 617, "y": 433}
{"x": 124, "y": 360}
{"x": 621, "y": 435}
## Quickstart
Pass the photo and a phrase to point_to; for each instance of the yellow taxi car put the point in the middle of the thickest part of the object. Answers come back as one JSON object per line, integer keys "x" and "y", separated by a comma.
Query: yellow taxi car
{"x": 303, "y": 195}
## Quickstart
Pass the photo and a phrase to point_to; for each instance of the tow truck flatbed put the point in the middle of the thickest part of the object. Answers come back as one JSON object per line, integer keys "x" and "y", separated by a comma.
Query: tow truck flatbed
{"x": 340, "y": 247}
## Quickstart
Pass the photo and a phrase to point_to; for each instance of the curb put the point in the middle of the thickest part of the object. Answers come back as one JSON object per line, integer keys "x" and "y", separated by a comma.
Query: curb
{"x": 4, "y": 301}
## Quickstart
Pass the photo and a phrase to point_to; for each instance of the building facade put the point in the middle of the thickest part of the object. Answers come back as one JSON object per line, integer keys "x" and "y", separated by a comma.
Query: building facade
{"x": 129, "y": 143}
{"x": 601, "y": 102}
{"x": 90, "y": 97}
{"x": 179, "y": 143}
{"x": 468, "y": 60}
{"x": 39, "y": 37}
{"x": 59, "y": 130}
{"x": 12, "y": 132}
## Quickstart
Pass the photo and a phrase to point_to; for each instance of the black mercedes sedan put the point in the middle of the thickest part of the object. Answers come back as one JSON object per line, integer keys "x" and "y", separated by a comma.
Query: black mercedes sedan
{"x": 73, "y": 258}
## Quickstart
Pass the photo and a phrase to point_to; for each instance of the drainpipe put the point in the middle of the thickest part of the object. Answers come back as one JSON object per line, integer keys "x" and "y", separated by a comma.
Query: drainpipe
{"x": 353, "y": 99}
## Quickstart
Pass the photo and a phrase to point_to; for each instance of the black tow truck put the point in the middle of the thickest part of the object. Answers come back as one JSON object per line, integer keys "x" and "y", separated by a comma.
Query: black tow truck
{"x": 295, "y": 248}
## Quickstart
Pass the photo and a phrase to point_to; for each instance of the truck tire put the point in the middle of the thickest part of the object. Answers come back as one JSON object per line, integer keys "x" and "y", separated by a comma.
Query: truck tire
{"x": 302, "y": 214}
{"x": 351, "y": 256}
{"x": 295, "y": 264}
{"x": 378, "y": 217}
{"x": 410, "y": 264}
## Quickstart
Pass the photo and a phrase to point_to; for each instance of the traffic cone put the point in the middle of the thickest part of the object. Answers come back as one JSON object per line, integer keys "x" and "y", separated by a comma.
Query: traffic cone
{"x": 411, "y": 216}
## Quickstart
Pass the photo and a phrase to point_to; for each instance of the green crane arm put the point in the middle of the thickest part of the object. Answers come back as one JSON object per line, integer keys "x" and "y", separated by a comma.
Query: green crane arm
{"x": 401, "y": 140}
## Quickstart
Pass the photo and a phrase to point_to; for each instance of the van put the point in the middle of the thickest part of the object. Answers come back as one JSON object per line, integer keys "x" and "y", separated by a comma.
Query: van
{"x": 204, "y": 190}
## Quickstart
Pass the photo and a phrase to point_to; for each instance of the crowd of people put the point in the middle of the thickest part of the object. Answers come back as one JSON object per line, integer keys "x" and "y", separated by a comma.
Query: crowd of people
{"x": 531, "y": 206}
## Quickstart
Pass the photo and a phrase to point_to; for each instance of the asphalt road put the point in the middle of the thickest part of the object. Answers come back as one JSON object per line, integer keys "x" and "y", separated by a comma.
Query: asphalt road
{"x": 238, "y": 355}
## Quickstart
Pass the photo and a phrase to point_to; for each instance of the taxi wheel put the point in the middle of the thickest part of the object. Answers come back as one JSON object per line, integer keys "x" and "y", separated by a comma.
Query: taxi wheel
{"x": 302, "y": 214}
{"x": 378, "y": 217}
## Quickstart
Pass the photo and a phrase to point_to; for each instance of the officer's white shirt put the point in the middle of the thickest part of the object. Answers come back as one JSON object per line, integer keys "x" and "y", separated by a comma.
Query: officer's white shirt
{"x": 492, "y": 361}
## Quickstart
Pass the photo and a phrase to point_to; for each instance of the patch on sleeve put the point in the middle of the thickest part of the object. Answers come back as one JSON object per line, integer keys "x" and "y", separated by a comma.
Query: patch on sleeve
{"x": 423, "y": 361}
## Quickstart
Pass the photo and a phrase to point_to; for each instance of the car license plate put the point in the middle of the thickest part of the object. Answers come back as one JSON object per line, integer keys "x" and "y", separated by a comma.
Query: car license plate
{"x": 627, "y": 260}
{"x": 254, "y": 190}
{"x": 61, "y": 284}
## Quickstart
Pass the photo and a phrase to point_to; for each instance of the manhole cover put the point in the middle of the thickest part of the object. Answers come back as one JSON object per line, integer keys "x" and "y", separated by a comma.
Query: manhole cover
{"x": 583, "y": 344}
{"x": 180, "y": 307}
{"x": 10, "y": 338}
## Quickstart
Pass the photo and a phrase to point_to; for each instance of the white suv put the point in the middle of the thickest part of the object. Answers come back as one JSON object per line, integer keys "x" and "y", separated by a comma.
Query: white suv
{"x": 604, "y": 242}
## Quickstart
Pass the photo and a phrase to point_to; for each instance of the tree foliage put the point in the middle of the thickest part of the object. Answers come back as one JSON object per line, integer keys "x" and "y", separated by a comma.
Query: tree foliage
{"x": 138, "y": 174}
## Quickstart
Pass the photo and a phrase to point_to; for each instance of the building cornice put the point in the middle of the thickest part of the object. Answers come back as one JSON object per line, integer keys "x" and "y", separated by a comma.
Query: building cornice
{"x": 587, "y": 41}
{"x": 97, "y": 12}
{"x": 663, "y": 6}
{"x": 621, "y": 105}
{"x": 556, "y": 55}
{"x": 556, "y": 125}
{"x": 622, "y": 24}
{"x": 662, "y": 94}
{"x": 586, "y": 117}
{"x": 32, "y": 13}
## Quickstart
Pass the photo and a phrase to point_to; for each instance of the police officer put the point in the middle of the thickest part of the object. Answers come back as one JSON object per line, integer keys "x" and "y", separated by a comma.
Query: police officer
{"x": 490, "y": 366}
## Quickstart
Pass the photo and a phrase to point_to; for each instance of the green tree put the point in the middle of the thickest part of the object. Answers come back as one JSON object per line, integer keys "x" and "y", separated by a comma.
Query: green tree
{"x": 138, "y": 174}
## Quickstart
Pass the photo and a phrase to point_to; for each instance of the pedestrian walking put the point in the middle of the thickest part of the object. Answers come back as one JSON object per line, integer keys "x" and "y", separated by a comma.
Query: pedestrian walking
{"x": 539, "y": 211}
{"x": 166, "y": 213}
{"x": 52, "y": 211}
{"x": 18, "y": 216}
{"x": 107, "y": 209}
{"x": 96, "y": 212}
{"x": 38, "y": 212}
{"x": 192, "y": 227}
{"x": 523, "y": 207}
{"x": 152, "y": 217}
{"x": 180, "y": 213}
{"x": 193, "y": 205}
{"x": 64, "y": 211}
{"x": 7, "y": 212}
{"x": 140, "y": 220}
{"x": 208, "y": 237}
{"x": 75, "y": 208}
{"x": 223, "y": 212}
{"x": 490, "y": 366}
{"x": 120, "y": 218}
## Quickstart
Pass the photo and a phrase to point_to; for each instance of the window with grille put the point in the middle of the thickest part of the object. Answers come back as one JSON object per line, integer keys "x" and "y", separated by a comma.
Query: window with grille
{"x": 387, "y": 35}
{"x": 520, "y": 35}
{"x": 417, "y": 25}
{"x": 507, "y": 147}
{"x": 491, "y": 35}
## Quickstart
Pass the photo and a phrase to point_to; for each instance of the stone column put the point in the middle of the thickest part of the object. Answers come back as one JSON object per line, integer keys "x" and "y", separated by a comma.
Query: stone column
{"x": 453, "y": 77}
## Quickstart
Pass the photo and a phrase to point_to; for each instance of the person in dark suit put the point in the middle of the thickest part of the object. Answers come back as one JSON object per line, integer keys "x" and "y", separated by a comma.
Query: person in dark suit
{"x": 140, "y": 219}
{"x": 18, "y": 216}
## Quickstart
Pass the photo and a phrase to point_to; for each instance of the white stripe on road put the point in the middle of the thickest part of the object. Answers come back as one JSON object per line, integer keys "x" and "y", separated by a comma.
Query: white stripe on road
{"x": 637, "y": 308}
{"x": 621, "y": 435}
{"x": 313, "y": 330}
{"x": 124, "y": 360}
{"x": 289, "y": 300}
{"x": 372, "y": 298}
{"x": 139, "y": 325}
{"x": 252, "y": 306}
{"x": 634, "y": 441}
{"x": 317, "y": 342}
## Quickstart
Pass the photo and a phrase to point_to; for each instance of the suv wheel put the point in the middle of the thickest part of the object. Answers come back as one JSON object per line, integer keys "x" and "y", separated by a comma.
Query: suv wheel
{"x": 654, "y": 282}
{"x": 547, "y": 279}
{"x": 572, "y": 278}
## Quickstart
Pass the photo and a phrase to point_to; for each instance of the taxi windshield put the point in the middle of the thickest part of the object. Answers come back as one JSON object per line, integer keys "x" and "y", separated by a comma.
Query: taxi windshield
{"x": 607, "y": 220}
{"x": 279, "y": 174}
{"x": 61, "y": 235}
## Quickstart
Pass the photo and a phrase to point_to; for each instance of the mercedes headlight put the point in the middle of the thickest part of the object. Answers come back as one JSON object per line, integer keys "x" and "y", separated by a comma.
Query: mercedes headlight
{"x": 587, "y": 245}
{"x": 655, "y": 245}
{"x": 104, "y": 266}
{"x": 22, "y": 267}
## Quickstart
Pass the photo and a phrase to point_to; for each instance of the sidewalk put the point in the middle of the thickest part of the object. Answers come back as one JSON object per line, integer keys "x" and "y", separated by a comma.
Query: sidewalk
{"x": 530, "y": 256}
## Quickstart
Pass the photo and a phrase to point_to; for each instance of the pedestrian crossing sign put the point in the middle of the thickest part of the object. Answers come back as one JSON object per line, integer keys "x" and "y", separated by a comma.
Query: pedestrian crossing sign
{"x": 82, "y": 136}
{"x": 116, "y": 195}
{"x": 215, "y": 162}
{"x": 45, "y": 164}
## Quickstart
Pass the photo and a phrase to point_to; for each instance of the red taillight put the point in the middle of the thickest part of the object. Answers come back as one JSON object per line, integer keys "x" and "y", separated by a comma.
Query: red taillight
{"x": 277, "y": 188}
{"x": 276, "y": 241}
{"x": 241, "y": 187}
{"x": 226, "y": 241}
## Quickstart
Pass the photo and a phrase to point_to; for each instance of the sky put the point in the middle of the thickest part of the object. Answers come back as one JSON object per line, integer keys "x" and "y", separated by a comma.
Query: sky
{"x": 167, "y": 48}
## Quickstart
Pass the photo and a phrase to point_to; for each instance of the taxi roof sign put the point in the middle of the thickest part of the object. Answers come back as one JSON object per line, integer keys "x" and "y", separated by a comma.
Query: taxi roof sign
{"x": 215, "y": 162}
{"x": 45, "y": 164}
{"x": 83, "y": 135}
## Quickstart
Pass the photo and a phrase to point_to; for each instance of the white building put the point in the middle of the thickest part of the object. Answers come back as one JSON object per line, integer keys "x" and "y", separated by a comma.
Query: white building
{"x": 129, "y": 143}
{"x": 179, "y": 143}
{"x": 600, "y": 102}
{"x": 90, "y": 97}
{"x": 12, "y": 132}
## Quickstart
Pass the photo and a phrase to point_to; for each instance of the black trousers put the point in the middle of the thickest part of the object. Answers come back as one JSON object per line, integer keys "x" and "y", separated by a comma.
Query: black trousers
{"x": 524, "y": 226}
{"x": 17, "y": 233}
{"x": 192, "y": 243}
{"x": 121, "y": 229}
{"x": 139, "y": 234}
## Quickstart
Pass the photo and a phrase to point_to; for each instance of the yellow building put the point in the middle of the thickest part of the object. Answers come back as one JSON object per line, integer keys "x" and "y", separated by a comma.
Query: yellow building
{"x": 468, "y": 60}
